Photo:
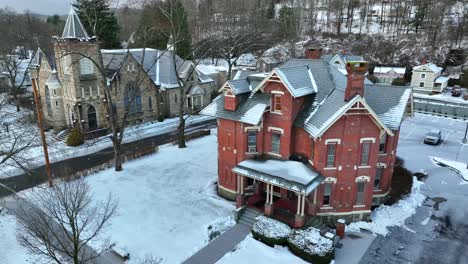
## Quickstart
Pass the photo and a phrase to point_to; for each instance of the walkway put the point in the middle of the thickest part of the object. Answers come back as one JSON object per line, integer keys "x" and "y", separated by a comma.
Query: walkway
{"x": 217, "y": 248}
{"x": 354, "y": 246}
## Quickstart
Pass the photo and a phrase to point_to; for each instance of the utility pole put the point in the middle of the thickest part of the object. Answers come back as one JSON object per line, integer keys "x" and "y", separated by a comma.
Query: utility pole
{"x": 41, "y": 129}
{"x": 464, "y": 140}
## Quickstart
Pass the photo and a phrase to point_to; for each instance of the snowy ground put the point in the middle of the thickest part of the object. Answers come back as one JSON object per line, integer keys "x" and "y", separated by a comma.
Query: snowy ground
{"x": 10, "y": 251}
{"x": 446, "y": 97}
{"x": 58, "y": 150}
{"x": 167, "y": 201}
{"x": 252, "y": 251}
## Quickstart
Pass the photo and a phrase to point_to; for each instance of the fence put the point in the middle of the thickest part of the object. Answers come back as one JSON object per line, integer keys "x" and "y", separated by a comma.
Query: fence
{"x": 441, "y": 108}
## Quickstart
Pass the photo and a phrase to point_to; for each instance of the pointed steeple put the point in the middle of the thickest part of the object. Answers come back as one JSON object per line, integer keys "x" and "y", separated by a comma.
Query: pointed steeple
{"x": 73, "y": 27}
{"x": 37, "y": 58}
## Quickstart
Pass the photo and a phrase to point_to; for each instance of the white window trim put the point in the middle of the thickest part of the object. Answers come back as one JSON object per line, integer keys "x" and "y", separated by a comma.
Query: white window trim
{"x": 276, "y": 129}
{"x": 256, "y": 128}
{"x": 367, "y": 139}
{"x": 277, "y": 92}
{"x": 359, "y": 206}
{"x": 364, "y": 167}
{"x": 382, "y": 165}
{"x": 329, "y": 168}
{"x": 362, "y": 179}
{"x": 333, "y": 140}
{"x": 231, "y": 94}
{"x": 329, "y": 180}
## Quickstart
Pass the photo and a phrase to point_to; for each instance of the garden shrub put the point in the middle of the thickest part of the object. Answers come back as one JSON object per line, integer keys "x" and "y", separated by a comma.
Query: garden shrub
{"x": 75, "y": 138}
{"x": 271, "y": 232}
{"x": 311, "y": 246}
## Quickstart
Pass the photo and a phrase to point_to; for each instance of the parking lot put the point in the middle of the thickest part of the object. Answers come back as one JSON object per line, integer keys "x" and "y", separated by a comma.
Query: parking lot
{"x": 438, "y": 232}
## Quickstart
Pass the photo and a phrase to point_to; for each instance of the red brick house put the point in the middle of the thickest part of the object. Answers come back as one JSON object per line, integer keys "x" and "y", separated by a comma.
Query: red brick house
{"x": 308, "y": 141}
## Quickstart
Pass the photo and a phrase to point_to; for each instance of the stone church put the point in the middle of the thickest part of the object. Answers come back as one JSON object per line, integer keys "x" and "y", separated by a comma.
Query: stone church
{"x": 71, "y": 82}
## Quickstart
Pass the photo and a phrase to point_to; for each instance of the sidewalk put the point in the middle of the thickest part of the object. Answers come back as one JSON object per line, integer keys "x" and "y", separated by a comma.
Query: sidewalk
{"x": 215, "y": 250}
{"x": 353, "y": 248}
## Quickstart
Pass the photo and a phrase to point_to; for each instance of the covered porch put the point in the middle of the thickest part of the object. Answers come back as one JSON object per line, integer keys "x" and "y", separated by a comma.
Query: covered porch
{"x": 278, "y": 188}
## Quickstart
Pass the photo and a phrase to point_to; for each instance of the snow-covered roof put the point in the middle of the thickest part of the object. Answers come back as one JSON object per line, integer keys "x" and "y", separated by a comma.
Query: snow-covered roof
{"x": 158, "y": 64}
{"x": 247, "y": 59}
{"x": 298, "y": 79}
{"x": 209, "y": 69}
{"x": 250, "y": 109}
{"x": 73, "y": 27}
{"x": 441, "y": 79}
{"x": 399, "y": 70}
{"x": 431, "y": 66}
{"x": 287, "y": 174}
{"x": 240, "y": 86}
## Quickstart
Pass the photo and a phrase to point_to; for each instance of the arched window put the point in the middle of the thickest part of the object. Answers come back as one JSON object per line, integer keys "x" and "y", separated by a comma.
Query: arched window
{"x": 132, "y": 98}
{"x": 86, "y": 66}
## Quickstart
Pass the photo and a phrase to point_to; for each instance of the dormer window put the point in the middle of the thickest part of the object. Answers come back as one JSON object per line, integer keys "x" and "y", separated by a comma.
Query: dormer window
{"x": 229, "y": 93}
{"x": 276, "y": 103}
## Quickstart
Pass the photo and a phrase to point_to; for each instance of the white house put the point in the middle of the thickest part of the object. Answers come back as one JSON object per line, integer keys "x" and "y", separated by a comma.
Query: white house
{"x": 427, "y": 79}
{"x": 387, "y": 75}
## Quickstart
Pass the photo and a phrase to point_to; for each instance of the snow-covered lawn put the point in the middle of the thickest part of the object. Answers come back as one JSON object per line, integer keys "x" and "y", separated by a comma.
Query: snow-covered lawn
{"x": 395, "y": 215}
{"x": 11, "y": 252}
{"x": 253, "y": 251}
{"x": 58, "y": 150}
{"x": 166, "y": 201}
{"x": 459, "y": 167}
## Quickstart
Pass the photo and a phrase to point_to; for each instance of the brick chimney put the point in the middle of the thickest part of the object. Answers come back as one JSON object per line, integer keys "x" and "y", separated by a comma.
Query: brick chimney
{"x": 313, "y": 53}
{"x": 356, "y": 75}
{"x": 230, "y": 101}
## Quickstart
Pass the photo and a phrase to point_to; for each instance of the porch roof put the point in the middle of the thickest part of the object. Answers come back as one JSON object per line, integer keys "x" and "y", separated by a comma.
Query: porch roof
{"x": 287, "y": 174}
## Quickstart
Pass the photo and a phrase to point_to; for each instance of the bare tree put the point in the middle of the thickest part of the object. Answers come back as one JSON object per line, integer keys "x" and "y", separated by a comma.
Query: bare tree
{"x": 14, "y": 76}
{"x": 59, "y": 223}
{"x": 17, "y": 136}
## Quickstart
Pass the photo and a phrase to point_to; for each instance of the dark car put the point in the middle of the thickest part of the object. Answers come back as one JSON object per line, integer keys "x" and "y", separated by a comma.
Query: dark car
{"x": 456, "y": 92}
{"x": 433, "y": 137}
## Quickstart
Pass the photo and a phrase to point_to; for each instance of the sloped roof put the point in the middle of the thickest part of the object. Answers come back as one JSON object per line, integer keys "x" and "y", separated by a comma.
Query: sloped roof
{"x": 441, "y": 79}
{"x": 73, "y": 27}
{"x": 158, "y": 64}
{"x": 240, "y": 86}
{"x": 431, "y": 66}
{"x": 288, "y": 174}
{"x": 324, "y": 105}
{"x": 249, "y": 110}
{"x": 381, "y": 69}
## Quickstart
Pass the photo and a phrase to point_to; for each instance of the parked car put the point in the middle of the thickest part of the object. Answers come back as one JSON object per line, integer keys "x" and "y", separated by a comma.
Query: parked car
{"x": 433, "y": 137}
{"x": 456, "y": 91}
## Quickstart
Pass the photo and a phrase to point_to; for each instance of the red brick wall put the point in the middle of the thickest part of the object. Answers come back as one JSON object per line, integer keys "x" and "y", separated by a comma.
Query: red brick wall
{"x": 230, "y": 103}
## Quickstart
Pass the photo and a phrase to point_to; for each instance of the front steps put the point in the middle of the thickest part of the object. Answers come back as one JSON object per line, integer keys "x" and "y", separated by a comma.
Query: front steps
{"x": 248, "y": 216}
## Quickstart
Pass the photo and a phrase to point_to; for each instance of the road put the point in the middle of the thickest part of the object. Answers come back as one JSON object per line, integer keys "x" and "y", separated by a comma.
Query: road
{"x": 438, "y": 232}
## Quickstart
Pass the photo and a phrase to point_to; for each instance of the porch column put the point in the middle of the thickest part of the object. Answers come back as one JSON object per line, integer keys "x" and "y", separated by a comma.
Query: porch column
{"x": 240, "y": 199}
{"x": 299, "y": 217}
{"x": 269, "y": 200}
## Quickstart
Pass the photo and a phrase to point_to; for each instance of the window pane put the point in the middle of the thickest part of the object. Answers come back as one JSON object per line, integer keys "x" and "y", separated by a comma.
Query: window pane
{"x": 150, "y": 103}
{"x": 312, "y": 150}
{"x": 327, "y": 193}
{"x": 378, "y": 178}
{"x": 331, "y": 149}
{"x": 383, "y": 143}
{"x": 365, "y": 153}
{"x": 277, "y": 103}
{"x": 360, "y": 193}
{"x": 275, "y": 143}
{"x": 252, "y": 141}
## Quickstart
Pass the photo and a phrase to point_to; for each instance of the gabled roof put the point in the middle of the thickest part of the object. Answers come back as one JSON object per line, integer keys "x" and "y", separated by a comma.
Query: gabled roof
{"x": 250, "y": 109}
{"x": 73, "y": 27}
{"x": 37, "y": 58}
{"x": 239, "y": 86}
{"x": 441, "y": 79}
{"x": 431, "y": 66}
{"x": 158, "y": 64}
{"x": 382, "y": 69}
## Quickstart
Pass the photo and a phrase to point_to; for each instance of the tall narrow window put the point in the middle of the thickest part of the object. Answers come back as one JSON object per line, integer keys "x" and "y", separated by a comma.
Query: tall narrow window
{"x": 360, "y": 193}
{"x": 150, "y": 104}
{"x": 423, "y": 76}
{"x": 277, "y": 103}
{"x": 383, "y": 143}
{"x": 327, "y": 193}
{"x": 275, "y": 143}
{"x": 252, "y": 141}
{"x": 378, "y": 178}
{"x": 331, "y": 153}
{"x": 365, "y": 153}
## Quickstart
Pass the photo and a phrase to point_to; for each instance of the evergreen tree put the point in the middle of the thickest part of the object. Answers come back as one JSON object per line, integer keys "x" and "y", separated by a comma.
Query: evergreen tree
{"x": 99, "y": 20}
{"x": 184, "y": 38}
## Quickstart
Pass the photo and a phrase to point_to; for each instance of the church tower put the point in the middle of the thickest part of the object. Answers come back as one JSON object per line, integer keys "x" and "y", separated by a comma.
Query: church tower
{"x": 82, "y": 84}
